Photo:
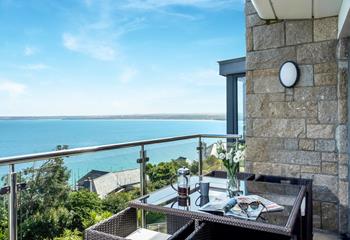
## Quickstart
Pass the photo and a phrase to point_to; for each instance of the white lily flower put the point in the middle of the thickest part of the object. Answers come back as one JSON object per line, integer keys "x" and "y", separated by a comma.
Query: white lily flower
{"x": 229, "y": 156}
{"x": 222, "y": 156}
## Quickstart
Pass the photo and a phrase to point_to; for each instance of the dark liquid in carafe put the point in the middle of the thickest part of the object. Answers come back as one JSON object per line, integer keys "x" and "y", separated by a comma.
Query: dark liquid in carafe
{"x": 183, "y": 191}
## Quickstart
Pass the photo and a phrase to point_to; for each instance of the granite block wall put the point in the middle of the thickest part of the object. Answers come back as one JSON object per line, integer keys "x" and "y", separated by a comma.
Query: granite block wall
{"x": 300, "y": 131}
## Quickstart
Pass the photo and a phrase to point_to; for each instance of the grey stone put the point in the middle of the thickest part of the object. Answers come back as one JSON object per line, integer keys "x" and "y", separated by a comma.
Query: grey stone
{"x": 289, "y": 98}
{"x": 254, "y": 20}
{"x": 272, "y": 58}
{"x": 316, "y": 52}
{"x": 310, "y": 169}
{"x": 268, "y": 36}
{"x": 343, "y": 158}
{"x": 298, "y": 32}
{"x": 262, "y": 168}
{"x": 296, "y": 157}
{"x": 315, "y": 93}
{"x": 249, "y": 8}
{"x": 343, "y": 49}
{"x": 258, "y": 148}
{"x": 342, "y": 84}
{"x": 329, "y": 67}
{"x": 327, "y": 111}
{"x": 249, "y": 82}
{"x": 292, "y": 109}
{"x": 249, "y": 39}
{"x": 316, "y": 207}
{"x": 325, "y": 28}
{"x": 323, "y": 193}
{"x": 330, "y": 168}
{"x": 323, "y": 145}
{"x": 290, "y": 128}
{"x": 306, "y": 144}
{"x": 329, "y": 157}
{"x": 291, "y": 144}
{"x": 256, "y": 104}
{"x": 342, "y": 139}
{"x": 276, "y": 97}
{"x": 266, "y": 81}
{"x": 343, "y": 219}
{"x": 322, "y": 79}
{"x": 329, "y": 216}
{"x": 343, "y": 172}
{"x": 249, "y": 127}
{"x": 288, "y": 170}
{"x": 316, "y": 222}
{"x": 342, "y": 111}
{"x": 326, "y": 181}
{"x": 320, "y": 131}
{"x": 306, "y": 76}
{"x": 289, "y": 91}
{"x": 343, "y": 193}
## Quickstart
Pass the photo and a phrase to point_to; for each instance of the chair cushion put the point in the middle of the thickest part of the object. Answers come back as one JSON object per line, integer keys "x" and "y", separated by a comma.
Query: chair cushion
{"x": 145, "y": 234}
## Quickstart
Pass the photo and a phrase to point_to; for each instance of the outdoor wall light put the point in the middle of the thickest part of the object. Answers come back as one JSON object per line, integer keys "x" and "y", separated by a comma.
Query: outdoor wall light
{"x": 289, "y": 74}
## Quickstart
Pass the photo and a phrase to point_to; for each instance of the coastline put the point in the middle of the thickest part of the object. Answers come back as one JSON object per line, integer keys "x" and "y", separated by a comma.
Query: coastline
{"x": 220, "y": 117}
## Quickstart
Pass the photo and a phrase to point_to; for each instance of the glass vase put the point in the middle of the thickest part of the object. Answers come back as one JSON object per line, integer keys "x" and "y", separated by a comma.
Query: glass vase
{"x": 232, "y": 184}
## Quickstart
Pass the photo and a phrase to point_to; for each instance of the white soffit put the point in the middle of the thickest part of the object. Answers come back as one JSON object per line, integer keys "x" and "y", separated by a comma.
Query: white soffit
{"x": 296, "y": 9}
{"x": 292, "y": 9}
{"x": 326, "y": 8}
{"x": 344, "y": 20}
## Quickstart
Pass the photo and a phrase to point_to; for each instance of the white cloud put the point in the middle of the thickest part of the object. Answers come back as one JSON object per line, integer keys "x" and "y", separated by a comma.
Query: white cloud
{"x": 12, "y": 88}
{"x": 35, "y": 67}
{"x": 29, "y": 51}
{"x": 96, "y": 49}
{"x": 127, "y": 74}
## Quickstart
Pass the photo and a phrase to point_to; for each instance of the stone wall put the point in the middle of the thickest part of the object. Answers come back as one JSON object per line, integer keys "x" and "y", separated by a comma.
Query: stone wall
{"x": 301, "y": 131}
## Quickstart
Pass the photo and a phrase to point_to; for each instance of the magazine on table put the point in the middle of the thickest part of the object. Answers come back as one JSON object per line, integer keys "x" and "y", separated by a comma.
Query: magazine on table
{"x": 219, "y": 207}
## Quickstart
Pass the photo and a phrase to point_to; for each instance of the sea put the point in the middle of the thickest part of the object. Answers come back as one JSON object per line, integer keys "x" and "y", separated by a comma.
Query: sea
{"x": 19, "y": 137}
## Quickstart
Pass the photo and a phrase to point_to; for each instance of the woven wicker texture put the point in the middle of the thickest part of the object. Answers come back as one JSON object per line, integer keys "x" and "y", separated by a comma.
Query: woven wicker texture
{"x": 184, "y": 231}
{"x": 116, "y": 227}
{"x": 174, "y": 223}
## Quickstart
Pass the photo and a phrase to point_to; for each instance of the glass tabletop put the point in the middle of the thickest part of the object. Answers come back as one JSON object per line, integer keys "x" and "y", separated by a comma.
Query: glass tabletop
{"x": 285, "y": 195}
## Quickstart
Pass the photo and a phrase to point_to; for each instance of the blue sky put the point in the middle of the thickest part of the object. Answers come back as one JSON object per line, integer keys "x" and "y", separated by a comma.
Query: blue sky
{"x": 91, "y": 57}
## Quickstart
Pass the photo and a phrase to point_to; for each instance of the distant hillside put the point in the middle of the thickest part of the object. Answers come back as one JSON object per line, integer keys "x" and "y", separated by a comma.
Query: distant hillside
{"x": 130, "y": 116}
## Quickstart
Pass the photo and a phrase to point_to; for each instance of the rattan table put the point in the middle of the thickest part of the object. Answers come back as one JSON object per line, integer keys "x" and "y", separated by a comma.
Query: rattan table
{"x": 287, "y": 224}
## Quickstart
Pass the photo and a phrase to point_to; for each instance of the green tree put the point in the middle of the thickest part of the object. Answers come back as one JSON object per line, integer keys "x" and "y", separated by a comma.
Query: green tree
{"x": 43, "y": 215}
{"x": 3, "y": 220}
{"x": 115, "y": 202}
{"x": 162, "y": 174}
{"x": 80, "y": 204}
{"x": 70, "y": 235}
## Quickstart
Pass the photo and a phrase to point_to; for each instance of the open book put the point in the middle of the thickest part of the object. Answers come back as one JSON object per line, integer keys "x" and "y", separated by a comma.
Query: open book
{"x": 218, "y": 207}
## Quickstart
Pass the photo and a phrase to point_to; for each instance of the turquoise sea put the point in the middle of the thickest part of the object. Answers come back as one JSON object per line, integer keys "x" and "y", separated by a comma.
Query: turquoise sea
{"x": 33, "y": 136}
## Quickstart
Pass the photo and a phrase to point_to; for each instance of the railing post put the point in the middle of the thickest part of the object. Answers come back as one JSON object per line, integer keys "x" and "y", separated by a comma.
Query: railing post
{"x": 12, "y": 206}
{"x": 200, "y": 152}
{"x": 143, "y": 184}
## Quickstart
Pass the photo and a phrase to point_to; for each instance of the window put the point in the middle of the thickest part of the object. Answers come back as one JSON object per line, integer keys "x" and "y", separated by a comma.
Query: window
{"x": 236, "y": 104}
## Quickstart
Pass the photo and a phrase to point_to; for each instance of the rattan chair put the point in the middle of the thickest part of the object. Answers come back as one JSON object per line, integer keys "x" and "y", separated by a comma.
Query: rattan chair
{"x": 116, "y": 227}
{"x": 214, "y": 231}
{"x": 122, "y": 224}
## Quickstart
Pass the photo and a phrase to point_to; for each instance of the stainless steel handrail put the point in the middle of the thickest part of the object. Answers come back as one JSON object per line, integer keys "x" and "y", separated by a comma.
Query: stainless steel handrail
{"x": 12, "y": 160}
{"x": 77, "y": 151}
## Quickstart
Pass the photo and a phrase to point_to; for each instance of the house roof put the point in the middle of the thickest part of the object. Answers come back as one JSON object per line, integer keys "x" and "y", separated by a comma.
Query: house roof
{"x": 110, "y": 182}
{"x": 92, "y": 175}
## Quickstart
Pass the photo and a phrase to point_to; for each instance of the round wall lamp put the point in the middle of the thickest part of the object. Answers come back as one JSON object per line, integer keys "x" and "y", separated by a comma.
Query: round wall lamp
{"x": 289, "y": 74}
